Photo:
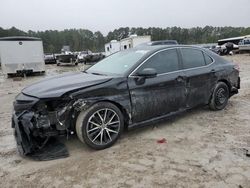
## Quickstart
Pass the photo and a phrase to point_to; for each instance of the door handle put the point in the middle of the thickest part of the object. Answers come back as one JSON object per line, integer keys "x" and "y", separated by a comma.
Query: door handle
{"x": 181, "y": 78}
{"x": 213, "y": 71}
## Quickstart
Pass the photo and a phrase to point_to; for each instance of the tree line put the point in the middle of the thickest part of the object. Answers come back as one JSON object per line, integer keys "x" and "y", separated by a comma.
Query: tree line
{"x": 83, "y": 39}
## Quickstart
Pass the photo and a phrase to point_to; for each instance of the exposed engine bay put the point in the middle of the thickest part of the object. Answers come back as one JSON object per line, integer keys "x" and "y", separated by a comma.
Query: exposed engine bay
{"x": 39, "y": 123}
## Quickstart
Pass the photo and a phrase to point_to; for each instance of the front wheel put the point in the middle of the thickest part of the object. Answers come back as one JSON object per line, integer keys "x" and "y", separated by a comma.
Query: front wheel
{"x": 100, "y": 126}
{"x": 219, "y": 97}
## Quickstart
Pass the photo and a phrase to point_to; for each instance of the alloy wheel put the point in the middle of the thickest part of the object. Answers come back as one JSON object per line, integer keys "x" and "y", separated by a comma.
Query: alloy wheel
{"x": 103, "y": 126}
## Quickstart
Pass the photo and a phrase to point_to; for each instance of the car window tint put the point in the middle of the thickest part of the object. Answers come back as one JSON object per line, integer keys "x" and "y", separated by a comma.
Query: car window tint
{"x": 192, "y": 58}
{"x": 208, "y": 59}
{"x": 163, "y": 62}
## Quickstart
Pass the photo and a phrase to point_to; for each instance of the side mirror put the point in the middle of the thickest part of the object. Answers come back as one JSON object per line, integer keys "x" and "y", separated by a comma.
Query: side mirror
{"x": 147, "y": 73}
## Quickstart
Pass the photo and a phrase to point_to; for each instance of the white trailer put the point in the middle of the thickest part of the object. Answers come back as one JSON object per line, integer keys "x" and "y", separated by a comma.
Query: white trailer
{"x": 112, "y": 47}
{"x": 21, "y": 55}
{"x": 133, "y": 41}
{"x": 244, "y": 45}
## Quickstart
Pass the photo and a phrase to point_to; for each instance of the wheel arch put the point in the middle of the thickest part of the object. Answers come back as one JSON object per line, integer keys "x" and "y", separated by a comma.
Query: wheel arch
{"x": 220, "y": 80}
{"x": 121, "y": 108}
{"x": 226, "y": 82}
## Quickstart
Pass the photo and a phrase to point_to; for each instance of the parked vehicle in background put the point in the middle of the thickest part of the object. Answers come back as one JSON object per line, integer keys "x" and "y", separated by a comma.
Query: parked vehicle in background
{"x": 94, "y": 57}
{"x": 163, "y": 42}
{"x": 21, "y": 55}
{"x": 125, "y": 90}
{"x": 228, "y": 48}
{"x": 81, "y": 58}
{"x": 67, "y": 58}
{"x": 49, "y": 58}
{"x": 160, "y": 42}
{"x": 211, "y": 46}
{"x": 215, "y": 49}
{"x": 244, "y": 45}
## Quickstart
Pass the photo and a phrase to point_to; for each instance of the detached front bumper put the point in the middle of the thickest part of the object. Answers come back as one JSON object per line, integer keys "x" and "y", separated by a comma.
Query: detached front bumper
{"x": 30, "y": 136}
{"x": 23, "y": 129}
{"x": 37, "y": 143}
{"x": 37, "y": 125}
{"x": 31, "y": 130}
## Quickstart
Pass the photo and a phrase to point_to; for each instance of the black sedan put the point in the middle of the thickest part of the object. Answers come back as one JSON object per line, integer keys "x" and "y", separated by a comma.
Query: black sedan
{"x": 125, "y": 90}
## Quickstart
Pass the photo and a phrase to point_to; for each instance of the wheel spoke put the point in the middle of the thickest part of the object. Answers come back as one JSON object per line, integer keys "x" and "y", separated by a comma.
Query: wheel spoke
{"x": 95, "y": 124}
{"x": 93, "y": 129}
{"x": 114, "y": 122}
{"x": 101, "y": 136}
{"x": 105, "y": 138}
{"x": 108, "y": 134}
{"x": 95, "y": 132}
{"x": 111, "y": 118}
{"x": 105, "y": 115}
{"x": 96, "y": 136}
{"x": 112, "y": 131}
{"x": 100, "y": 116}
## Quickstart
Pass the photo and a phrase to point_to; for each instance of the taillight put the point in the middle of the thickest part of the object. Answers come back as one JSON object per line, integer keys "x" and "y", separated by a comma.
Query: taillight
{"x": 237, "y": 67}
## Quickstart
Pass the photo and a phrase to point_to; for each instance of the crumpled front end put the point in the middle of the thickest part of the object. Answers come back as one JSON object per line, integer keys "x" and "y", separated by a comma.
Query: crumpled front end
{"x": 35, "y": 122}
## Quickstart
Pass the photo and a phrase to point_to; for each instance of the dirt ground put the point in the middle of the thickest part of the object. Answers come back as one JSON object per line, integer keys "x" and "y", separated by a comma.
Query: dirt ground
{"x": 203, "y": 148}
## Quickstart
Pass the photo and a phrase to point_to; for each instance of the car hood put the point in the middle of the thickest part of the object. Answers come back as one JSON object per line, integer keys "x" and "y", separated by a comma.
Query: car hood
{"x": 56, "y": 86}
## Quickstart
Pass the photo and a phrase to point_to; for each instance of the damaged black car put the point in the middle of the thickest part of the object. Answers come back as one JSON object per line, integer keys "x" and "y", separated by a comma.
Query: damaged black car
{"x": 125, "y": 90}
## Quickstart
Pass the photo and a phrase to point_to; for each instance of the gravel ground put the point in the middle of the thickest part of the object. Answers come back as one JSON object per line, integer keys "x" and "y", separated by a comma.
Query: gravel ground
{"x": 203, "y": 148}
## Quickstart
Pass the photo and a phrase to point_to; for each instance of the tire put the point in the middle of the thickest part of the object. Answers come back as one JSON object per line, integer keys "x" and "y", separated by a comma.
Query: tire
{"x": 57, "y": 64}
{"x": 89, "y": 125}
{"x": 76, "y": 64}
{"x": 219, "y": 97}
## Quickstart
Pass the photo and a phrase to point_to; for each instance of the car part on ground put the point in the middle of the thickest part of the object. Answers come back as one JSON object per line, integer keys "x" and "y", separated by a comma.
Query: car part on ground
{"x": 125, "y": 90}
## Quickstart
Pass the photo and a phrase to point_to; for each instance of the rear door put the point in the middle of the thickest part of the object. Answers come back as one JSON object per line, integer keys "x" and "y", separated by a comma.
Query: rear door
{"x": 197, "y": 69}
{"x": 165, "y": 93}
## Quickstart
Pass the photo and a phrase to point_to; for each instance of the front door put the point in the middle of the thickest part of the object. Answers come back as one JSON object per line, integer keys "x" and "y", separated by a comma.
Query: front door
{"x": 165, "y": 93}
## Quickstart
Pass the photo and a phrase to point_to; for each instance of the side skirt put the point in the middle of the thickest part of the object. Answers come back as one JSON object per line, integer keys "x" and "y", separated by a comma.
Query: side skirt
{"x": 156, "y": 119}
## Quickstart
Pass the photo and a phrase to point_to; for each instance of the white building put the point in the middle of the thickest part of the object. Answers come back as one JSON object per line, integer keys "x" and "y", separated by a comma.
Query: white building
{"x": 21, "y": 54}
{"x": 133, "y": 41}
{"x": 130, "y": 42}
{"x": 112, "y": 47}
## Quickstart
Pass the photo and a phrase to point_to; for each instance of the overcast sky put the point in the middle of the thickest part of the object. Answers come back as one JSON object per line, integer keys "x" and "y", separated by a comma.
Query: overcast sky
{"x": 106, "y": 15}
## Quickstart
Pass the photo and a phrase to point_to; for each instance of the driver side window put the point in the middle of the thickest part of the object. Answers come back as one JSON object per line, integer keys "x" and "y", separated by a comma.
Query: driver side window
{"x": 163, "y": 62}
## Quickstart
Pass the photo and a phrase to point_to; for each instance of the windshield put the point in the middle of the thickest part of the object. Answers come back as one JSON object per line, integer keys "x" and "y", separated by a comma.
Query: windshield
{"x": 118, "y": 63}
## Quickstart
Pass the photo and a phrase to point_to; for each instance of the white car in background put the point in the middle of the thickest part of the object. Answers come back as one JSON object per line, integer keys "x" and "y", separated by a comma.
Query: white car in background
{"x": 82, "y": 56}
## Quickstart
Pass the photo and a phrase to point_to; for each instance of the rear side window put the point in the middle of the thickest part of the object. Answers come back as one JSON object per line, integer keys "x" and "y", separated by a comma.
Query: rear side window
{"x": 192, "y": 58}
{"x": 208, "y": 59}
{"x": 163, "y": 62}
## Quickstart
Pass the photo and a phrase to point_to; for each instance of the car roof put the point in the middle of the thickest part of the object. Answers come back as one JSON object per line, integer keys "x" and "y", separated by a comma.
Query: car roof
{"x": 152, "y": 49}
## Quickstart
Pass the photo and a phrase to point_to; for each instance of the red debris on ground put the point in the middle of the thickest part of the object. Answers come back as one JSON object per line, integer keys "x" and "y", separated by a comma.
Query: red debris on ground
{"x": 161, "y": 141}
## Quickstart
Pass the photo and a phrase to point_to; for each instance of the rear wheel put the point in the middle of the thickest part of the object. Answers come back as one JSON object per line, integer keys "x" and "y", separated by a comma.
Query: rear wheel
{"x": 100, "y": 126}
{"x": 219, "y": 97}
